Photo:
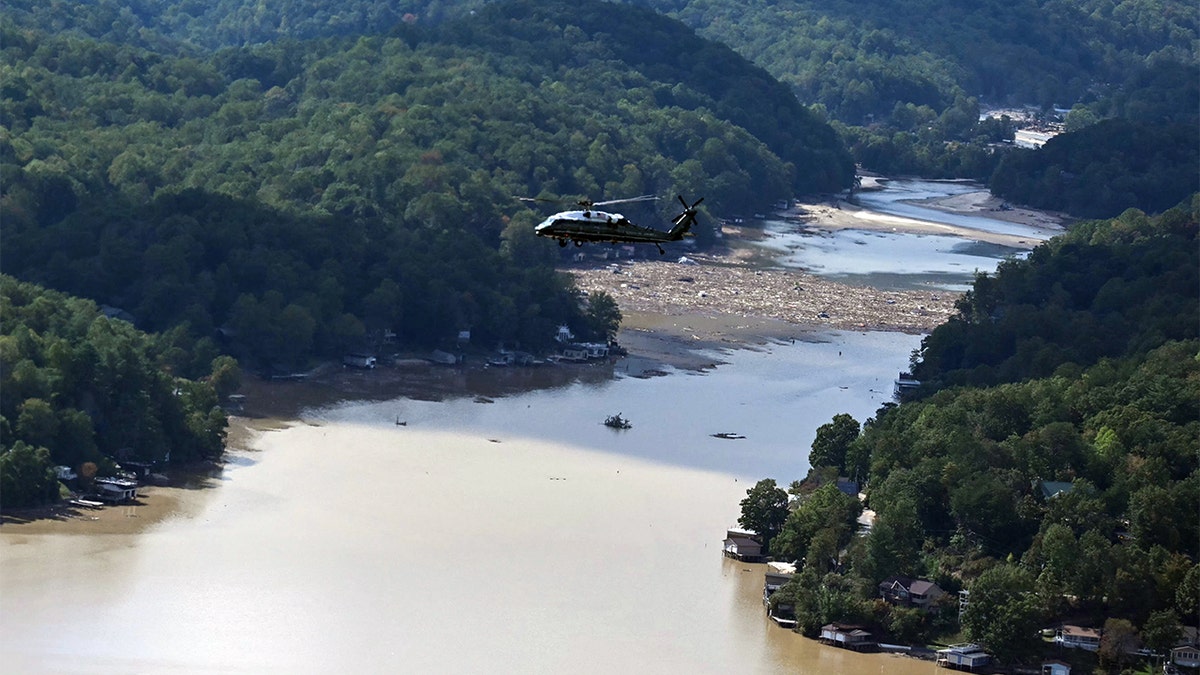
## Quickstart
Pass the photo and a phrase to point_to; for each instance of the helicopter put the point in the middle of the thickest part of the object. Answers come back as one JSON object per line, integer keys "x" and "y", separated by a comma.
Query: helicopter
{"x": 599, "y": 226}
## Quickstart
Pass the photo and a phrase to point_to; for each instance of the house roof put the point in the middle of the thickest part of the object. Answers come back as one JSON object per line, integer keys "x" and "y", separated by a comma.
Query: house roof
{"x": 1080, "y": 631}
{"x": 742, "y": 542}
{"x": 922, "y": 587}
{"x": 913, "y": 586}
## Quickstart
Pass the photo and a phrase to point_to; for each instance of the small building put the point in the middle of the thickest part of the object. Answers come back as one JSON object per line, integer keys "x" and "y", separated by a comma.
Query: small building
{"x": 1056, "y": 667}
{"x": 1186, "y": 656}
{"x": 1050, "y": 489}
{"x": 596, "y": 350}
{"x": 116, "y": 490}
{"x": 64, "y": 473}
{"x": 918, "y": 593}
{"x": 740, "y": 548}
{"x": 905, "y": 384}
{"x": 1078, "y": 637}
{"x": 359, "y": 360}
{"x": 846, "y": 637}
{"x": 963, "y": 657}
{"x": 575, "y": 352}
{"x": 777, "y": 574}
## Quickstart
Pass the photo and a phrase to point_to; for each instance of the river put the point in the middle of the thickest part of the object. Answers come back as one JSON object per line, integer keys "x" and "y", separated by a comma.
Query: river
{"x": 508, "y": 533}
{"x": 899, "y": 260}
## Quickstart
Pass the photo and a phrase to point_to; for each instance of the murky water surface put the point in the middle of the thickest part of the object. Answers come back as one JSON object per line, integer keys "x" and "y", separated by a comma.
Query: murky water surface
{"x": 517, "y": 535}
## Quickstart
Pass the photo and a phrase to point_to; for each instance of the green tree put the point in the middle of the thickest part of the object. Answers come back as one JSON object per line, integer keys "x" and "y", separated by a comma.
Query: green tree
{"x": 27, "y": 476}
{"x": 764, "y": 510}
{"x": 1003, "y": 615}
{"x": 603, "y": 315}
{"x": 832, "y": 442}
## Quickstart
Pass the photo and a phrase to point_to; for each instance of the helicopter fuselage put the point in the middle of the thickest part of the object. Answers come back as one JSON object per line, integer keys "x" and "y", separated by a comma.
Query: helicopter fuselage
{"x": 599, "y": 226}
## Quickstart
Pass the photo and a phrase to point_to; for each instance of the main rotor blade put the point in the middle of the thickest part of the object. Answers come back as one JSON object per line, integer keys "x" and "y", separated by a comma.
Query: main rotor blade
{"x": 643, "y": 198}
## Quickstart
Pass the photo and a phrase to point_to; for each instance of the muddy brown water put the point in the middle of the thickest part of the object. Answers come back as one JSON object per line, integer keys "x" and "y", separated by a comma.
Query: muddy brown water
{"x": 502, "y": 533}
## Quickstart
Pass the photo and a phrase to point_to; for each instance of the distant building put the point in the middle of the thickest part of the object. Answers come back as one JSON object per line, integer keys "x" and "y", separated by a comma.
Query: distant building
{"x": 905, "y": 384}
{"x": 116, "y": 490}
{"x": 742, "y": 545}
{"x": 846, "y": 637}
{"x": 1056, "y": 668}
{"x": 963, "y": 657}
{"x": 359, "y": 360}
{"x": 918, "y": 593}
{"x": 1078, "y": 637}
{"x": 777, "y": 574}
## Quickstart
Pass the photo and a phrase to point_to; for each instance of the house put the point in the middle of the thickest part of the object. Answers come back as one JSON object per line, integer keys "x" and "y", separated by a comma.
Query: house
{"x": 1078, "y": 637}
{"x": 1056, "y": 668}
{"x": 596, "y": 350}
{"x": 1186, "y": 652}
{"x": 777, "y": 574}
{"x": 918, "y": 593}
{"x": 575, "y": 352}
{"x": 746, "y": 550}
{"x": 64, "y": 473}
{"x": 963, "y": 657}
{"x": 846, "y": 637}
{"x": 1050, "y": 489}
{"x": 904, "y": 385}
{"x": 116, "y": 490}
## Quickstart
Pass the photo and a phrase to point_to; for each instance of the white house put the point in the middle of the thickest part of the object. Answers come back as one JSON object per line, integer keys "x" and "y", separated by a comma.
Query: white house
{"x": 1078, "y": 637}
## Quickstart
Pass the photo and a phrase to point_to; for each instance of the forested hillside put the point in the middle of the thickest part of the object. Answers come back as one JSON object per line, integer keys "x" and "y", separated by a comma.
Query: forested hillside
{"x": 81, "y": 388}
{"x": 862, "y": 60}
{"x": 301, "y": 197}
{"x": 1049, "y": 466}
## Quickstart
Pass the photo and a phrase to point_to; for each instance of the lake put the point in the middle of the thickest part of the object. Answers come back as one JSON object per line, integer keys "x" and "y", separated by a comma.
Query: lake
{"x": 517, "y": 535}
{"x": 507, "y": 533}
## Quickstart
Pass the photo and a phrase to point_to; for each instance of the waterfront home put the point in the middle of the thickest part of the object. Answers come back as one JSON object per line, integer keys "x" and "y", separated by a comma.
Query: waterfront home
{"x": 116, "y": 490}
{"x": 1078, "y": 637}
{"x": 918, "y": 593}
{"x": 740, "y": 548}
{"x": 777, "y": 574}
{"x": 905, "y": 384}
{"x": 846, "y": 637}
{"x": 963, "y": 657}
{"x": 574, "y": 352}
{"x": 743, "y": 545}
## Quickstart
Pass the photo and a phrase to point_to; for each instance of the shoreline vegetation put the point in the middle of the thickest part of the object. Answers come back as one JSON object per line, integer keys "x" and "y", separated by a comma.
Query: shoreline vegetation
{"x": 730, "y": 303}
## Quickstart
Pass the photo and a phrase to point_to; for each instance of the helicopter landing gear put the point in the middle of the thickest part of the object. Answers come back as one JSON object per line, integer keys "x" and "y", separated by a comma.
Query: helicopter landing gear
{"x": 562, "y": 243}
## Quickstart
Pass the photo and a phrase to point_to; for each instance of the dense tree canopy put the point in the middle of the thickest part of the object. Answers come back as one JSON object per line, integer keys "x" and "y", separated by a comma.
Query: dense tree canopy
{"x": 1049, "y": 465}
{"x": 81, "y": 387}
{"x": 301, "y": 198}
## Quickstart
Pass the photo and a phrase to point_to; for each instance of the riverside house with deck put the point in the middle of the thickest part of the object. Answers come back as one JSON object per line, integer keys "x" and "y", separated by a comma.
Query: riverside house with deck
{"x": 963, "y": 657}
{"x": 846, "y": 637}
{"x": 743, "y": 545}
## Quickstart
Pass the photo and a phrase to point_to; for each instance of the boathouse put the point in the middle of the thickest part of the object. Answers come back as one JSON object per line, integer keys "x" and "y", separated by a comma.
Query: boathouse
{"x": 743, "y": 545}
{"x": 846, "y": 637}
{"x": 963, "y": 657}
{"x": 116, "y": 490}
